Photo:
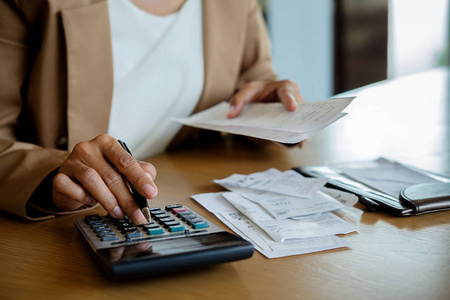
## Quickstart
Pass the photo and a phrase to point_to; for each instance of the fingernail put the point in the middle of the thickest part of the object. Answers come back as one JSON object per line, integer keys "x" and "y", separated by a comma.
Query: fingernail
{"x": 118, "y": 213}
{"x": 149, "y": 190}
{"x": 139, "y": 218}
{"x": 293, "y": 101}
{"x": 89, "y": 200}
{"x": 232, "y": 111}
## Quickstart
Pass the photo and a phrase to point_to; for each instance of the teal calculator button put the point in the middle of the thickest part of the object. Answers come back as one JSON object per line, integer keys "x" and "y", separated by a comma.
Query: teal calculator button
{"x": 176, "y": 228}
{"x": 155, "y": 231}
{"x": 200, "y": 225}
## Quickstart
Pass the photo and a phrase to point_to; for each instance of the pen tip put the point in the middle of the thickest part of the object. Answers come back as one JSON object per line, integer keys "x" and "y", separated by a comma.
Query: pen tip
{"x": 146, "y": 213}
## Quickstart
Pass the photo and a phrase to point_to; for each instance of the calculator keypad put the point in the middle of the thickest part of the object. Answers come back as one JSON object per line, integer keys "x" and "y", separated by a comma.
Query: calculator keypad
{"x": 173, "y": 219}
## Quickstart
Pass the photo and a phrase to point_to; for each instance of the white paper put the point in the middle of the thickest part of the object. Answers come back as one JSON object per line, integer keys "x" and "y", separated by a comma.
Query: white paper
{"x": 260, "y": 238}
{"x": 295, "y": 228}
{"x": 347, "y": 199}
{"x": 283, "y": 206}
{"x": 287, "y": 183}
{"x": 271, "y": 121}
{"x": 278, "y": 205}
{"x": 241, "y": 225}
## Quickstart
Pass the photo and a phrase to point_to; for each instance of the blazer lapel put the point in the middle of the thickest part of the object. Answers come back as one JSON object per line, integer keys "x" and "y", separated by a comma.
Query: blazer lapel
{"x": 222, "y": 40}
{"x": 89, "y": 70}
{"x": 223, "y": 36}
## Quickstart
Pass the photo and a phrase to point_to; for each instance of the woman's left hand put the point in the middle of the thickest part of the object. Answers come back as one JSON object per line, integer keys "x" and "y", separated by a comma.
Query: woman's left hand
{"x": 286, "y": 91}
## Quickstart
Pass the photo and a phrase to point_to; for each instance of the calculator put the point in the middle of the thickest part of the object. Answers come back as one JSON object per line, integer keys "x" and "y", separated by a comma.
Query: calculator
{"x": 176, "y": 238}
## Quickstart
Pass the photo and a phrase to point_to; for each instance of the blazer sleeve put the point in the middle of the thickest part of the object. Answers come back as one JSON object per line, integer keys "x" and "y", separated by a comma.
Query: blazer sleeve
{"x": 256, "y": 60}
{"x": 23, "y": 166}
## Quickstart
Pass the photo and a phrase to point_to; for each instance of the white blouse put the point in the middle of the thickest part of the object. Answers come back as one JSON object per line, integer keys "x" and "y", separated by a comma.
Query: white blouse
{"x": 158, "y": 73}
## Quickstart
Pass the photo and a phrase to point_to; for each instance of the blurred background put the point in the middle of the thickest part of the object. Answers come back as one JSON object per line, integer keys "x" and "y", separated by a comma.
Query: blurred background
{"x": 332, "y": 46}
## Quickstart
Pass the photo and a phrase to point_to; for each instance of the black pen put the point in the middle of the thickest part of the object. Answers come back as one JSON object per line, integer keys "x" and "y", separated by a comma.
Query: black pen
{"x": 141, "y": 201}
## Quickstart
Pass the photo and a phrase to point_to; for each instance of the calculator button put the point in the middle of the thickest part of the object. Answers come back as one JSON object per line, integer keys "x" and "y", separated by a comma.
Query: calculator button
{"x": 154, "y": 208}
{"x": 150, "y": 226}
{"x": 190, "y": 218}
{"x": 171, "y": 223}
{"x": 155, "y": 231}
{"x": 161, "y": 216}
{"x": 157, "y": 212}
{"x": 200, "y": 225}
{"x": 109, "y": 237}
{"x": 194, "y": 220}
{"x": 176, "y": 228}
{"x": 133, "y": 234}
{"x": 171, "y": 207}
{"x": 183, "y": 213}
{"x": 169, "y": 219}
{"x": 102, "y": 229}
{"x": 129, "y": 229}
{"x": 119, "y": 222}
{"x": 125, "y": 226}
{"x": 93, "y": 219}
{"x": 179, "y": 209}
{"x": 103, "y": 233}
{"x": 97, "y": 225}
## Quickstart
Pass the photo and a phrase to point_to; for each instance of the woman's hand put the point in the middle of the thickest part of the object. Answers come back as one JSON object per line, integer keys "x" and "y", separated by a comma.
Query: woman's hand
{"x": 97, "y": 171}
{"x": 286, "y": 91}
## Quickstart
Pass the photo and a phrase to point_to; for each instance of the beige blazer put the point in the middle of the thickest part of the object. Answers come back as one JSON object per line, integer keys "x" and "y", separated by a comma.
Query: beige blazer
{"x": 56, "y": 80}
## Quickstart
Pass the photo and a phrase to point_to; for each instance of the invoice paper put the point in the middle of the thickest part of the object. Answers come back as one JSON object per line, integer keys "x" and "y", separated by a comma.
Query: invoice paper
{"x": 283, "y": 194}
{"x": 287, "y": 183}
{"x": 247, "y": 229}
{"x": 271, "y": 121}
{"x": 316, "y": 225}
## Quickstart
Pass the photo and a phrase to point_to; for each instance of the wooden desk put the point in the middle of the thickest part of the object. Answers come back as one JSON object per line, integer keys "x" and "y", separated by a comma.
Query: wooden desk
{"x": 391, "y": 258}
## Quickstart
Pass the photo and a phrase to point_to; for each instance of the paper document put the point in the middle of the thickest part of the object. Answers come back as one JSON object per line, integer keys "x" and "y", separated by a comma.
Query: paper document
{"x": 307, "y": 199}
{"x": 316, "y": 225}
{"x": 283, "y": 213}
{"x": 239, "y": 223}
{"x": 287, "y": 183}
{"x": 271, "y": 121}
{"x": 347, "y": 199}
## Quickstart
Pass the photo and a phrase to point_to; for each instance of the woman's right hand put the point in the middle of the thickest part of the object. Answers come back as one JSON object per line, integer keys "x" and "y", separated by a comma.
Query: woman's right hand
{"x": 97, "y": 171}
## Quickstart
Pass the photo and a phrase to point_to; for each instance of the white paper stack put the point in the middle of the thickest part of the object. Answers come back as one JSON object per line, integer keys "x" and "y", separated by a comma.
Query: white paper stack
{"x": 282, "y": 213}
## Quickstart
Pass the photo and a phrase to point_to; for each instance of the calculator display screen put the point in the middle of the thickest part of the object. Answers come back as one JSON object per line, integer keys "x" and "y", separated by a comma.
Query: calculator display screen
{"x": 154, "y": 249}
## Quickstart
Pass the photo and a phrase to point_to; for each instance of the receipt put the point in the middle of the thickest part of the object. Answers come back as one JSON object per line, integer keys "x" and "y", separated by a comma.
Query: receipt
{"x": 283, "y": 206}
{"x": 262, "y": 240}
{"x": 287, "y": 183}
{"x": 273, "y": 190}
{"x": 247, "y": 229}
{"x": 347, "y": 199}
{"x": 295, "y": 228}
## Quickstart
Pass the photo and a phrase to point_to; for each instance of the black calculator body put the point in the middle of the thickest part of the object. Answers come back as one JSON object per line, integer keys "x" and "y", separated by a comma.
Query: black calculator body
{"x": 176, "y": 238}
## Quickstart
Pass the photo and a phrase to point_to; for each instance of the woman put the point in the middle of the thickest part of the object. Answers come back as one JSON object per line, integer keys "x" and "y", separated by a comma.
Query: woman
{"x": 76, "y": 75}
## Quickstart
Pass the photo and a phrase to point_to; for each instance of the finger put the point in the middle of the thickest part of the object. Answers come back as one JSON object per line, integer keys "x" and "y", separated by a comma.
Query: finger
{"x": 68, "y": 195}
{"x": 286, "y": 92}
{"x": 93, "y": 155}
{"x": 92, "y": 182}
{"x": 130, "y": 169}
{"x": 115, "y": 183}
{"x": 249, "y": 93}
{"x": 149, "y": 169}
